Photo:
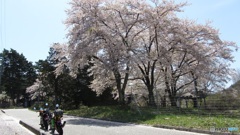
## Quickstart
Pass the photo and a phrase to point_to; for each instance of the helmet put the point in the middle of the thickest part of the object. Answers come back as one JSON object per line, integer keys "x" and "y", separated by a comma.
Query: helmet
{"x": 46, "y": 104}
{"x": 57, "y": 105}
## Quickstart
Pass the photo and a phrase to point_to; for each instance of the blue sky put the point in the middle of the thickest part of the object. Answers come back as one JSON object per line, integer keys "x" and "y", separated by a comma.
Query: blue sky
{"x": 224, "y": 15}
{"x": 32, "y": 26}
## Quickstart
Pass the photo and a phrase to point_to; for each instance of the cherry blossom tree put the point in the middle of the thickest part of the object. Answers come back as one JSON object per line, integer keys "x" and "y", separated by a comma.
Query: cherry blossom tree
{"x": 235, "y": 75}
{"x": 195, "y": 51}
{"x": 139, "y": 39}
{"x": 112, "y": 34}
{"x": 36, "y": 90}
{"x": 149, "y": 51}
{"x": 103, "y": 31}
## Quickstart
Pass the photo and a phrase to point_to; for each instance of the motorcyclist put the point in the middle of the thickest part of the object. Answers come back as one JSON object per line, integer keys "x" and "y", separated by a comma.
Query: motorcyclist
{"x": 56, "y": 120}
{"x": 45, "y": 118}
{"x": 58, "y": 113}
{"x": 41, "y": 117}
{"x": 52, "y": 122}
{"x": 46, "y": 107}
{"x": 47, "y": 110}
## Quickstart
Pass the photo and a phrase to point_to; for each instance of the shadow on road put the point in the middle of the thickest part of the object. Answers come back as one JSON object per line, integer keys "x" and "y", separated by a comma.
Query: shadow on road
{"x": 93, "y": 122}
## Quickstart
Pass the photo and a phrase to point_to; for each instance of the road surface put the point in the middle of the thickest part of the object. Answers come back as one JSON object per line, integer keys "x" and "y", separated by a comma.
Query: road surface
{"x": 83, "y": 126}
{"x": 11, "y": 126}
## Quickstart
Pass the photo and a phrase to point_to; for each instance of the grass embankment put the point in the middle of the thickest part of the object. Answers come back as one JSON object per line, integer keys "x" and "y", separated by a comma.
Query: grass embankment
{"x": 187, "y": 118}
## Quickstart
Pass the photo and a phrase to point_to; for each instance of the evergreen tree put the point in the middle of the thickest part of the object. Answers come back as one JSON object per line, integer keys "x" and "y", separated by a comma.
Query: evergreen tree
{"x": 17, "y": 75}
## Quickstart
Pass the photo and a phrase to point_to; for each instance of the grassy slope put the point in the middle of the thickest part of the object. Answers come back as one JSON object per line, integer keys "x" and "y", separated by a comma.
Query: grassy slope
{"x": 186, "y": 118}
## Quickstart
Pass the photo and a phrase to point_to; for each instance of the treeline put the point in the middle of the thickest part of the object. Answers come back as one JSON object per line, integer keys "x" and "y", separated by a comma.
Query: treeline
{"x": 25, "y": 83}
{"x": 16, "y": 75}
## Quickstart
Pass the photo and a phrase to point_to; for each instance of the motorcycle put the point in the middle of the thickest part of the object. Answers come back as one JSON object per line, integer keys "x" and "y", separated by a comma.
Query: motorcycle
{"x": 44, "y": 119}
{"x": 41, "y": 118}
{"x": 56, "y": 124}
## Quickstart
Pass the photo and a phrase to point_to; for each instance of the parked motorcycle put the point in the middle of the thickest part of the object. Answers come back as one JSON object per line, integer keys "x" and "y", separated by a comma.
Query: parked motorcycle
{"x": 41, "y": 118}
{"x": 56, "y": 124}
{"x": 44, "y": 119}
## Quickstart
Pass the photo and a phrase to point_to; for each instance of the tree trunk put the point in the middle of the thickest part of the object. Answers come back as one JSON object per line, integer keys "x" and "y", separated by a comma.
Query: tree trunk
{"x": 13, "y": 102}
{"x": 186, "y": 100}
{"x": 148, "y": 80}
{"x": 121, "y": 98}
{"x": 56, "y": 91}
{"x": 172, "y": 96}
{"x": 195, "y": 102}
{"x": 173, "y": 101}
{"x": 151, "y": 97}
{"x": 17, "y": 99}
{"x": 121, "y": 93}
{"x": 164, "y": 102}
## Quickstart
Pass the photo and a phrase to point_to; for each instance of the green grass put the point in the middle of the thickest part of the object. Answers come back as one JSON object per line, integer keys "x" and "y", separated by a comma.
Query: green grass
{"x": 193, "y": 121}
{"x": 188, "y": 118}
{"x": 113, "y": 113}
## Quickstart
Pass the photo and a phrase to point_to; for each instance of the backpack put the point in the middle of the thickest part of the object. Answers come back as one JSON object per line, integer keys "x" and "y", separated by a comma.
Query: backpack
{"x": 58, "y": 112}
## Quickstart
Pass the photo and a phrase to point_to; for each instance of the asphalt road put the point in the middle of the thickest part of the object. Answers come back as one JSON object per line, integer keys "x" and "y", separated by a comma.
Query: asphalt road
{"x": 11, "y": 126}
{"x": 83, "y": 126}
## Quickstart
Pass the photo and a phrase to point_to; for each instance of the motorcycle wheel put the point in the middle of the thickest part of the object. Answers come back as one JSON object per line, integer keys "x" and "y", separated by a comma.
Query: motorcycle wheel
{"x": 45, "y": 124}
{"x": 53, "y": 130}
{"x": 42, "y": 126}
{"x": 60, "y": 130}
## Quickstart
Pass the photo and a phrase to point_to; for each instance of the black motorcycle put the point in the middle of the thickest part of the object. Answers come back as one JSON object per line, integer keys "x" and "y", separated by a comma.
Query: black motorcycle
{"x": 56, "y": 124}
{"x": 45, "y": 120}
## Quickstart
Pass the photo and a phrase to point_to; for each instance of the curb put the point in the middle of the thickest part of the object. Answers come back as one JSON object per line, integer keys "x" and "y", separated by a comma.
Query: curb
{"x": 32, "y": 129}
{"x": 3, "y": 111}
